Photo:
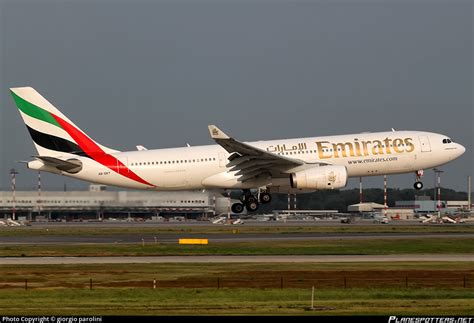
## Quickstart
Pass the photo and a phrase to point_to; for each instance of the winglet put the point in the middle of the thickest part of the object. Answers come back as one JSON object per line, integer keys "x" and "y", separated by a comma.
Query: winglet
{"x": 217, "y": 133}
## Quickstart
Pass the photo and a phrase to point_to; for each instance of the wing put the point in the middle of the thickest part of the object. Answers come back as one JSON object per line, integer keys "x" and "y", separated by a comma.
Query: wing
{"x": 249, "y": 161}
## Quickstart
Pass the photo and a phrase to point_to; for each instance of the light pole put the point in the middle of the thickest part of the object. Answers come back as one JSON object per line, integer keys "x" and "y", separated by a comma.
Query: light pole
{"x": 13, "y": 173}
{"x": 228, "y": 208}
{"x": 39, "y": 194}
{"x": 289, "y": 203}
{"x": 438, "y": 174}
{"x": 469, "y": 193}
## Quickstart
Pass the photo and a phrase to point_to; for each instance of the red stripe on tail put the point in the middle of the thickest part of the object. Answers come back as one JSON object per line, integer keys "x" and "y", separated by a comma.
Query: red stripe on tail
{"x": 94, "y": 151}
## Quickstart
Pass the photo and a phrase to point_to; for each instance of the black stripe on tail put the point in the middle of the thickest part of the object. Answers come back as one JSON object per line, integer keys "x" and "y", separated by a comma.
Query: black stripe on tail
{"x": 55, "y": 143}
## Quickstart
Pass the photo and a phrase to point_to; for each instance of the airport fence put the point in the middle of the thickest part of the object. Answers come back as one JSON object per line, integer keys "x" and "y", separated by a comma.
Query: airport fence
{"x": 282, "y": 282}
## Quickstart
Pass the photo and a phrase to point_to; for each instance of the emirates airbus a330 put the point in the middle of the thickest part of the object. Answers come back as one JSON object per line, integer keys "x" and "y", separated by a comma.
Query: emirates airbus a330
{"x": 285, "y": 165}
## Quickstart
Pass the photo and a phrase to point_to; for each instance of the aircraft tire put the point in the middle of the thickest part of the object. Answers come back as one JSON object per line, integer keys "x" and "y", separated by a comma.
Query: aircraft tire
{"x": 252, "y": 205}
{"x": 237, "y": 208}
{"x": 265, "y": 198}
{"x": 418, "y": 186}
{"x": 251, "y": 199}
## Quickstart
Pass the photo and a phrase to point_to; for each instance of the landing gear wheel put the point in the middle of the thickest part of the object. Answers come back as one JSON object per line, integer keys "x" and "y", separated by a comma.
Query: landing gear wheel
{"x": 237, "y": 208}
{"x": 265, "y": 198}
{"x": 245, "y": 196}
{"x": 250, "y": 199}
{"x": 418, "y": 186}
{"x": 252, "y": 205}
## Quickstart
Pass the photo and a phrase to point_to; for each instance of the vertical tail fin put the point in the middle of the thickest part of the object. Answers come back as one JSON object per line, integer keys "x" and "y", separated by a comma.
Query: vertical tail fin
{"x": 52, "y": 132}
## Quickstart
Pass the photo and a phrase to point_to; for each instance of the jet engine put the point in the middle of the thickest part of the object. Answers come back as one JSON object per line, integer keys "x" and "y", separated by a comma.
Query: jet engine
{"x": 320, "y": 178}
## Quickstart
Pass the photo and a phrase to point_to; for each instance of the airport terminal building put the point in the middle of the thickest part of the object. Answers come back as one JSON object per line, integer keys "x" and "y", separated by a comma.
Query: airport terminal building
{"x": 99, "y": 203}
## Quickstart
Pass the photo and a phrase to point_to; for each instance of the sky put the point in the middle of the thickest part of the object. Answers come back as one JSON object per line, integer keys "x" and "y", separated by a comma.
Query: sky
{"x": 156, "y": 73}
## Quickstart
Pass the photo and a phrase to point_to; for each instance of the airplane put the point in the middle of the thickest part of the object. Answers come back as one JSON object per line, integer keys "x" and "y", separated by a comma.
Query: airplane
{"x": 274, "y": 166}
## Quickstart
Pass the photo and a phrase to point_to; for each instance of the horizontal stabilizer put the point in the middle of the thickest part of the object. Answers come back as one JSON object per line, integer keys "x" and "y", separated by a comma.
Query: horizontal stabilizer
{"x": 71, "y": 165}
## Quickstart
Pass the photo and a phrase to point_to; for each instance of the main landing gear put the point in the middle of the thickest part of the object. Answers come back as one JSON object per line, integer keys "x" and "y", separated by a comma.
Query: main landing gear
{"x": 418, "y": 184}
{"x": 250, "y": 201}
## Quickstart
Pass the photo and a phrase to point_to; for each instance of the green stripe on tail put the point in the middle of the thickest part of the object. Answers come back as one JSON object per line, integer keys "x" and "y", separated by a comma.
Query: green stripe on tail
{"x": 34, "y": 111}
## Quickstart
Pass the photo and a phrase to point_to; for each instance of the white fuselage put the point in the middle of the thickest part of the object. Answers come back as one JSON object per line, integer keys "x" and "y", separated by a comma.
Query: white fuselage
{"x": 200, "y": 167}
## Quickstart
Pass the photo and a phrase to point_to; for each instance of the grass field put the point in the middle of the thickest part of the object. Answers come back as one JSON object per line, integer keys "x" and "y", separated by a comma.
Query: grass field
{"x": 64, "y": 290}
{"x": 355, "y": 275}
{"x": 311, "y": 247}
{"x": 105, "y": 229}
{"x": 237, "y": 301}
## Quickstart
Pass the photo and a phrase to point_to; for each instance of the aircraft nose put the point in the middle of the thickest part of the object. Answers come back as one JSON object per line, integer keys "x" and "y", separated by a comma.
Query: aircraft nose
{"x": 461, "y": 149}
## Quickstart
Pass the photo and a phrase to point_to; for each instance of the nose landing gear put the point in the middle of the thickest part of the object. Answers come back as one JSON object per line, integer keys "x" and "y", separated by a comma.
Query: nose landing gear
{"x": 418, "y": 184}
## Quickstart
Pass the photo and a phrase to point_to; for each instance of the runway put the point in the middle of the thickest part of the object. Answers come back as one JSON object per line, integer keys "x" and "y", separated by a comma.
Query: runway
{"x": 213, "y": 237}
{"x": 236, "y": 259}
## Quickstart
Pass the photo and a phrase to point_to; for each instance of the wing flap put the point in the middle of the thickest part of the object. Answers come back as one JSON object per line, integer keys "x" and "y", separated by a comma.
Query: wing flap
{"x": 254, "y": 174}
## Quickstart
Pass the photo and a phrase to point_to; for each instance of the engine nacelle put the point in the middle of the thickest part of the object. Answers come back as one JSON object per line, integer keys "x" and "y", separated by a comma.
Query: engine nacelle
{"x": 320, "y": 178}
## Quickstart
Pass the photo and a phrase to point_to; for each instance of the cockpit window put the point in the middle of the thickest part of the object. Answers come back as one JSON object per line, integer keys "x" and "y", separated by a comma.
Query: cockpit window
{"x": 447, "y": 141}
